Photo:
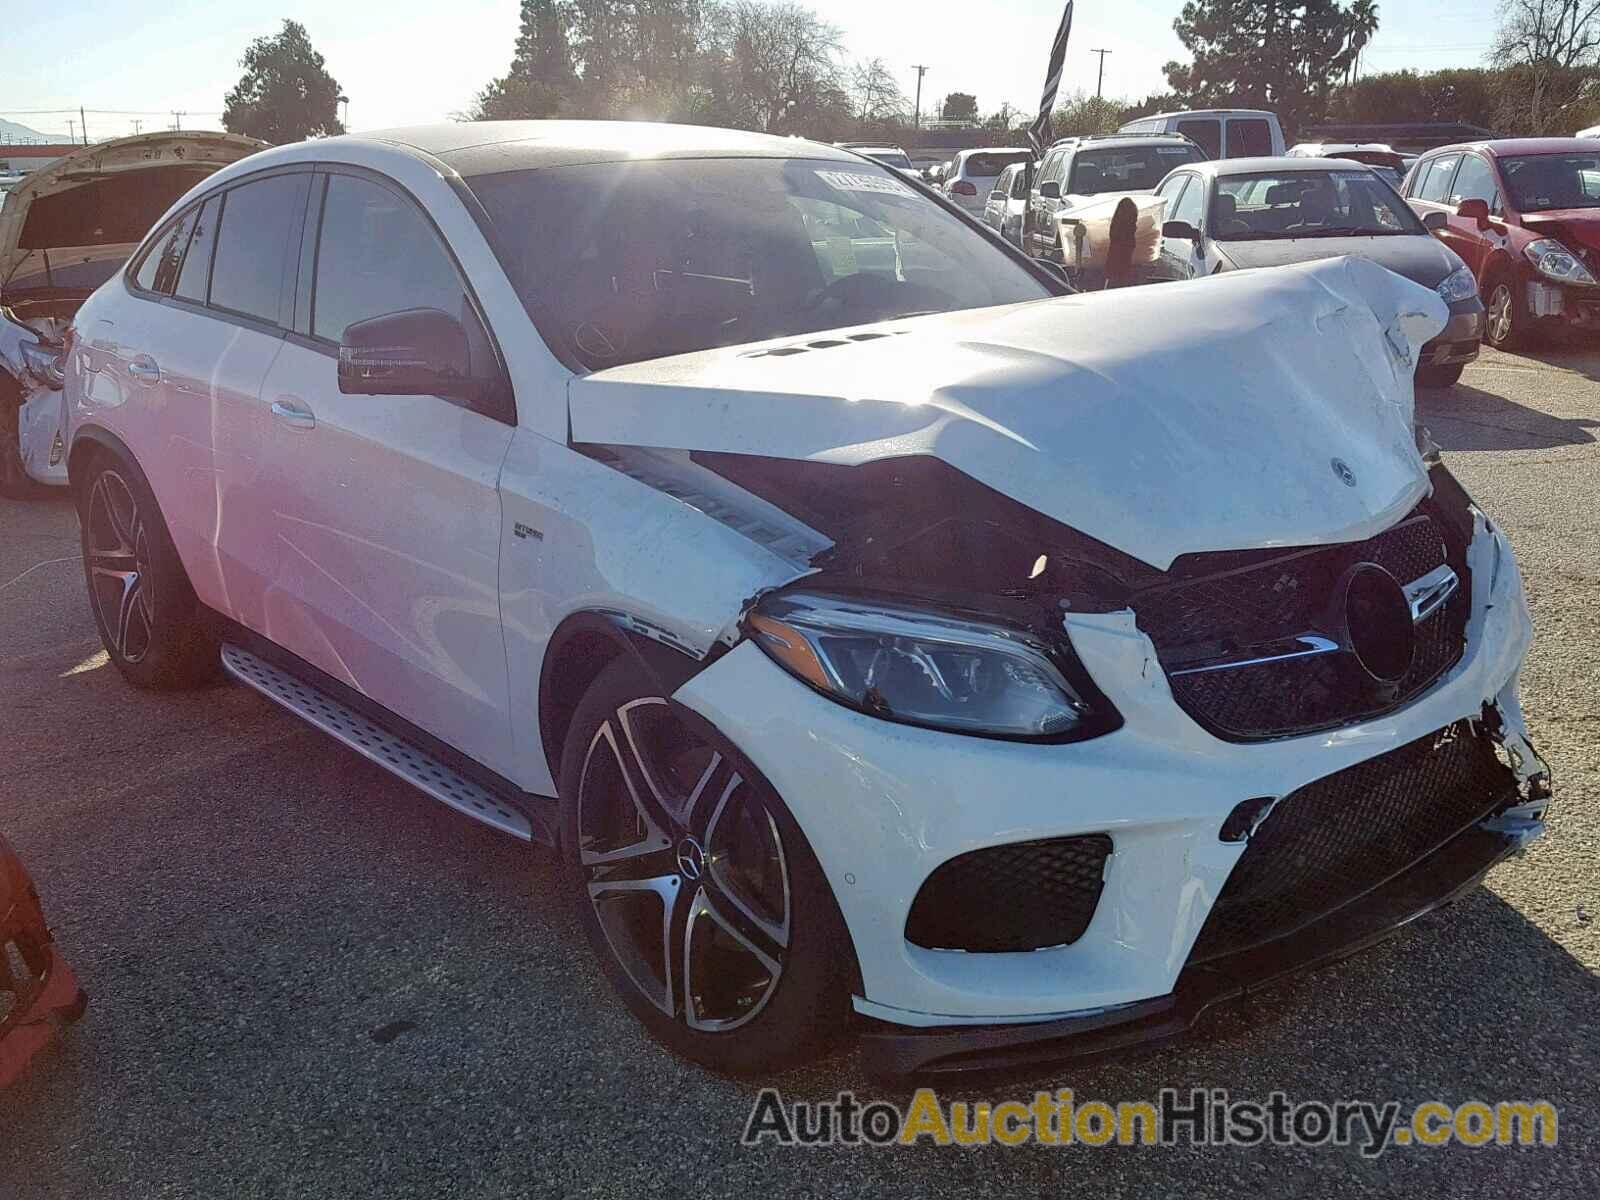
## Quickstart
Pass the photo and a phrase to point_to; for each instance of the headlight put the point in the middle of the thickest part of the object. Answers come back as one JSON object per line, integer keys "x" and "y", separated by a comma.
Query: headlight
{"x": 1458, "y": 285}
{"x": 44, "y": 363}
{"x": 1549, "y": 257}
{"x": 921, "y": 667}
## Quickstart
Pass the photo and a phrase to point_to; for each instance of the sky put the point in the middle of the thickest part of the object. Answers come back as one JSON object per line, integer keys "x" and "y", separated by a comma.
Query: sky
{"x": 405, "y": 62}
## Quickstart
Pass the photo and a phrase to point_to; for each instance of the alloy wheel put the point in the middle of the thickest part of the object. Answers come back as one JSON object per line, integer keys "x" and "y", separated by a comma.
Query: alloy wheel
{"x": 685, "y": 868}
{"x": 117, "y": 540}
{"x": 1499, "y": 318}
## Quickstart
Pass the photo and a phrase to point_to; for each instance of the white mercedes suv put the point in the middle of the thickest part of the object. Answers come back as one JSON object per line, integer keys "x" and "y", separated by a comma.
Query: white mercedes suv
{"x": 884, "y": 638}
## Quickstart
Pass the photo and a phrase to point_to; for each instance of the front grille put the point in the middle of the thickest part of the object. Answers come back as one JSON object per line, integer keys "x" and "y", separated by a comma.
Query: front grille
{"x": 1227, "y": 603}
{"x": 1334, "y": 840}
{"x": 1023, "y": 896}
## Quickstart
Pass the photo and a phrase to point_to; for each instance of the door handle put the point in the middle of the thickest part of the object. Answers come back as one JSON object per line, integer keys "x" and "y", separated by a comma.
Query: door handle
{"x": 144, "y": 369}
{"x": 292, "y": 413}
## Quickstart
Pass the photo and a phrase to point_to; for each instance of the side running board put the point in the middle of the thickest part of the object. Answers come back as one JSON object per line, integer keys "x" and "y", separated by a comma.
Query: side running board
{"x": 370, "y": 740}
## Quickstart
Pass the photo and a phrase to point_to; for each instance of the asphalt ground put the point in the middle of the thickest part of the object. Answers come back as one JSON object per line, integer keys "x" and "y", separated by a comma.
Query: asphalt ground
{"x": 310, "y": 980}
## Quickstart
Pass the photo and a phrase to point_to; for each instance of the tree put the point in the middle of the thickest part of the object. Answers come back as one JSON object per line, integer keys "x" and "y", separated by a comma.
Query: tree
{"x": 781, "y": 67}
{"x": 875, "y": 96}
{"x": 1469, "y": 94}
{"x": 1084, "y": 114}
{"x": 1285, "y": 55}
{"x": 1005, "y": 118}
{"x": 285, "y": 94}
{"x": 1552, "y": 48}
{"x": 960, "y": 106}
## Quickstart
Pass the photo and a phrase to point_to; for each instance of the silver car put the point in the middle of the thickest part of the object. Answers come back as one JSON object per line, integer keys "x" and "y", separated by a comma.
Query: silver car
{"x": 1007, "y": 202}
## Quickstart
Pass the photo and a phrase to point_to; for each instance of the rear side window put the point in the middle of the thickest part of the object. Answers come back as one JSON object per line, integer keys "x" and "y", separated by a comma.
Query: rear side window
{"x": 1435, "y": 185}
{"x": 197, "y": 263}
{"x": 1249, "y": 137}
{"x": 376, "y": 254}
{"x": 257, "y": 251}
{"x": 1051, "y": 168}
{"x": 1207, "y": 134}
{"x": 159, "y": 269}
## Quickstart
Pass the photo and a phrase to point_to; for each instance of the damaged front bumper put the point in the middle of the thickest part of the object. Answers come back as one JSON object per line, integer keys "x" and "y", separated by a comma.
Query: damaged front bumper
{"x": 884, "y": 806}
{"x": 39, "y": 416}
{"x": 37, "y": 987}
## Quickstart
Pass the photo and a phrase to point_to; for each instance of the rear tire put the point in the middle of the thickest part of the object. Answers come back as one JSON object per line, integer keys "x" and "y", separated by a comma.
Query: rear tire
{"x": 701, "y": 898}
{"x": 1440, "y": 377}
{"x": 149, "y": 620}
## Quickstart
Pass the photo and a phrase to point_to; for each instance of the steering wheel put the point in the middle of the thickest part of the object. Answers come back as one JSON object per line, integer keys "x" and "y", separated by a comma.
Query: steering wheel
{"x": 850, "y": 291}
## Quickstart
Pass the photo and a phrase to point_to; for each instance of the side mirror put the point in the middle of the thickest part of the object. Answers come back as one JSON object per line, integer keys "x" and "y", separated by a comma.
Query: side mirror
{"x": 1180, "y": 231}
{"x": 417, "y": 352}
{"x": 1433, "y": 222}
{"x": 1050, "y": 191}
{"x": 1474, "y": 210}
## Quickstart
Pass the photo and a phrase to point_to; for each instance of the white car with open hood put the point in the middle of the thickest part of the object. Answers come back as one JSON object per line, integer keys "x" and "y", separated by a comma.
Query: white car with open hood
{"x": 882, "y": 637}
{"x": 65, "y": 230}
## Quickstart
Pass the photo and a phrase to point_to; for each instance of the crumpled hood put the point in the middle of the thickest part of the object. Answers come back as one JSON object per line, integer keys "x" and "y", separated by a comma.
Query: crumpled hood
{"x": 1579, "y": 227}
{"x": 1247, "y": 410}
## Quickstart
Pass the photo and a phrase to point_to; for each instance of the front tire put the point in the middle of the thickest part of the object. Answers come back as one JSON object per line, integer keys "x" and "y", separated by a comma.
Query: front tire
{"x": 1440, "y": 377}
{"x": 144, "y": 607}
{"x": 1507, "y": 323}
{"x": 699, "y": 894}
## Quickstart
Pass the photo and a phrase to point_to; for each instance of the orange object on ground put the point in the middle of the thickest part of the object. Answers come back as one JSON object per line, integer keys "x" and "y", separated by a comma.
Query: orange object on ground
{"x": 37, "y": 987}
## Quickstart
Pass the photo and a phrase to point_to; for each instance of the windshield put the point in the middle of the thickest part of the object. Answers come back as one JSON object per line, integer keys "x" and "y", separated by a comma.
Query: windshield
{"x": 1305, "y": 204}
{"x": 1541, "y": 182}
{"x": 1128, "y": 169}
{"x": 890, "y": 158}
{"x": 622, "y": 262}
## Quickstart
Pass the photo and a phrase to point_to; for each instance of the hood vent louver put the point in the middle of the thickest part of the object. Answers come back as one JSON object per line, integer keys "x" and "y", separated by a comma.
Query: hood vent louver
{"x": 824, "y": 344}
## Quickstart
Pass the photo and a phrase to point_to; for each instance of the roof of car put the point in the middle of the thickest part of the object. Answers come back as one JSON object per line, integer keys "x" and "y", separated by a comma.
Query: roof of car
{"x": 485, "y": 147}
{"x": 1281, "y": 164}
{"x": 1115, "y": 141}
{"x": 1503, "y": 146}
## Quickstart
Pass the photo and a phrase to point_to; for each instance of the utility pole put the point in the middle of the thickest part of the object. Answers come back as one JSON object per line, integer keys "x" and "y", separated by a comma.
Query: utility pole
{"x": 136, "y": 126}
{"x": 83, "y": 124}
{"x": 72, "y": 130}
{"x": 921, "y": 70}
{"x": 177, "y": 120}
{"x": 1102, "y": 78}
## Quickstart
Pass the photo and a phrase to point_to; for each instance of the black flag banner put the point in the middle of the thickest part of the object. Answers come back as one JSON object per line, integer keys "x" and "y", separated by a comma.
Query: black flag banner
{"x": 1039, "y": 131}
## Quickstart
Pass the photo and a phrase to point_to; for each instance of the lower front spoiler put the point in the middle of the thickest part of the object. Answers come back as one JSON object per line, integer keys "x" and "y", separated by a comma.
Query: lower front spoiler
{"x": 1433, "y": 882}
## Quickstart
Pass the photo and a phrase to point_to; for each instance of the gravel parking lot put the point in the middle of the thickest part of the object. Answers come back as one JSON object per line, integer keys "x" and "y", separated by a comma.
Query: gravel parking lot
{"x": 308, "y": 979}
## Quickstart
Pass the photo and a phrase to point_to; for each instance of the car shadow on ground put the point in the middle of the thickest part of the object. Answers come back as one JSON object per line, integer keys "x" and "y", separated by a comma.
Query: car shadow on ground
{"x": 1467, "y": 418}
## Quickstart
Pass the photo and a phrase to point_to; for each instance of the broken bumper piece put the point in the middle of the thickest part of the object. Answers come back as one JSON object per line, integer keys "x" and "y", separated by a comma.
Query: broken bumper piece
{"x": 1430, "y": 883}
{"x": 37, "y": 987}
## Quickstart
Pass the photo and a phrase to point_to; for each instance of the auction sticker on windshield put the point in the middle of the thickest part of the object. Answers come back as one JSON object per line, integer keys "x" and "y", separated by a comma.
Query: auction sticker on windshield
{"x": 848, "y": 181}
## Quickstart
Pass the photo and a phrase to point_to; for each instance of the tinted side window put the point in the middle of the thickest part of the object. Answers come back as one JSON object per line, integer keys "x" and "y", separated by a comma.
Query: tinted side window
{"x": 1249, "y": 137}
{"x": 255, "y": 259}
{"x": 1207, "y": 134}
{"x": 1475, "y": 181}
{"x": 377, "y": 254}
{"x": 197, "y": 263}
{"x": 1435, "y": 185}
{"x": 159, "y": 269}
{"x": 1052, "y": 167}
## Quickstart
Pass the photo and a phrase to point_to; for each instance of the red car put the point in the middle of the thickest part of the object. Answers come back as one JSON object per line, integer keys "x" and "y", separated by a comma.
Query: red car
{"x": 37, "y": 988}
{"x": 1524, "y": 214}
